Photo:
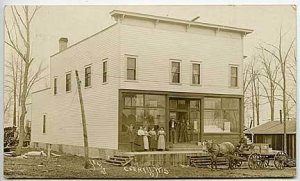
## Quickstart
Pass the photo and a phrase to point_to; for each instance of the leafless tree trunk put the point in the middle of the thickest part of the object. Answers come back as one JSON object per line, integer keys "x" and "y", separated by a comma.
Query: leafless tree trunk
{"x": 282, "y": 56}
{"x": 247, "y": 85}
{"x": 255, "y": 96}
{"x": 11, "y": 82}
{"x": 270, "y": 74}
{"x": 23, "y": 23}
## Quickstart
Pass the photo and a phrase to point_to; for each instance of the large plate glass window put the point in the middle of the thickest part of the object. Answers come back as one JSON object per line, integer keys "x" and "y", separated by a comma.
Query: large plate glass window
{"x": 221, "y": 115}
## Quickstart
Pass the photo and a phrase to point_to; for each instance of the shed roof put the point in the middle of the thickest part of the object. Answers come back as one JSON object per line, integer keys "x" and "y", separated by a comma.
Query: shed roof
{"x": 274, "y": 127}
{"x": 119, "y": 13}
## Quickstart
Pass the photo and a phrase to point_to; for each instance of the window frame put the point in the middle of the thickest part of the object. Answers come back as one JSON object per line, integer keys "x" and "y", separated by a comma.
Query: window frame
{"x": 192, "y": 73}
{"x": 70, "y": 87}
{"x": 222, "y": 110}
{"x": 85, "y": 76}
{"x": 171, "y": 72}
{"x": 126, "y": 68}
{"x": 230, "y": 76}
{"x": 105, "y": 73}
{"x": 55, "y": 89}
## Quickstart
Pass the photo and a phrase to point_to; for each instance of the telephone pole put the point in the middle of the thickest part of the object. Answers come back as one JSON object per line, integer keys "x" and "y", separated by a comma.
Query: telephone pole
{"x": 85, "y": 137}
{"x": 284, "y": 131}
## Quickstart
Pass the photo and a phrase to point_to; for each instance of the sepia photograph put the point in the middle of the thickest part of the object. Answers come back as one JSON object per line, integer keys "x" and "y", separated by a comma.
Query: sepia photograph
{"x": 149, "y": 91}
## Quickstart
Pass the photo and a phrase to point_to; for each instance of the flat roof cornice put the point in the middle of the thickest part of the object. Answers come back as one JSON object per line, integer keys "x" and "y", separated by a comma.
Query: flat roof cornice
{"x": 116, "y": 13}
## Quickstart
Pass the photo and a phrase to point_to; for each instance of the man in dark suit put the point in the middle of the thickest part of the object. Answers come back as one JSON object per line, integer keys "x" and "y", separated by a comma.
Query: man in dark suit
{"x": 172, "y": 127}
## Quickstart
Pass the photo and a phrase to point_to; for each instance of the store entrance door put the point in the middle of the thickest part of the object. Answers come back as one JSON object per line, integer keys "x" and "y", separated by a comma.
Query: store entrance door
{"x": 178, "y": 127}
{"x": 184, "y": 124}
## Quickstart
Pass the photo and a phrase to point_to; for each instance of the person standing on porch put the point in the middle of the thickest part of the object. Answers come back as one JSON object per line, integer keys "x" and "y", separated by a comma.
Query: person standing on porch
{"x": 189, "y": 132}
{"x": 172, "y": 126}
{"x": 184, "y": 136}
{"x": 145, "y": 139}
{"x": 131, "y": 136}
{"x": 161, "y": 144}
{"x": 152, "y": 139}
{"x": 139, "y": 141}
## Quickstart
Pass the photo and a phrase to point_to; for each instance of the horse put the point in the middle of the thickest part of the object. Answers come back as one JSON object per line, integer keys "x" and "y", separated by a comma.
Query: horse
{"x": 225, "y": 149}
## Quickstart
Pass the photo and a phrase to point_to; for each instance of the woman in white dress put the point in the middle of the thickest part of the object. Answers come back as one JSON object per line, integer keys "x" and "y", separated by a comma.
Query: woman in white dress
{"x": 145, "y": 139}
{"x": 139, "y": 139}
{"x": 161, "y": 143}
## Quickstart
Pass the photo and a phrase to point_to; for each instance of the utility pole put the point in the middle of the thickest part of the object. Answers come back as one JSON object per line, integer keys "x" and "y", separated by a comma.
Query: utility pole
{"x": 284, "y": 135}
{"x": 85, "y": 137}
{"x": 284, "y": 132}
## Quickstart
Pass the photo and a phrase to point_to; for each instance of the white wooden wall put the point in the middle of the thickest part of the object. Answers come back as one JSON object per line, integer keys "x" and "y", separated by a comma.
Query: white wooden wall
{"x": 154, "y": 46}
{"x": 64, "y": 124}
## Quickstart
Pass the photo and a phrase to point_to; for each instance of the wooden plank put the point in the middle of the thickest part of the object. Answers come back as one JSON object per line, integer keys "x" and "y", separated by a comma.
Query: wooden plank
{"x": 128, "y": 161}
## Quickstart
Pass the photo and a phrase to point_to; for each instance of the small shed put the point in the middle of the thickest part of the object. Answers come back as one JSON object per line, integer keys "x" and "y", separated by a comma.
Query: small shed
{"x": 272, "y": 133}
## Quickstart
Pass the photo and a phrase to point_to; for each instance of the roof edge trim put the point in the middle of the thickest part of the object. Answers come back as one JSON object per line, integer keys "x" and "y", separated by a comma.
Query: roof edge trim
{"x": 115, "y": 13}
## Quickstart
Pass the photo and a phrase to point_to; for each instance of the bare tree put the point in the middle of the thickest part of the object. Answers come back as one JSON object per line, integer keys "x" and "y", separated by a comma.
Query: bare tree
{"x": 247, "y": 87}
{"x": 269, "y": 76}
{"x": 22, "y": 19}
{"x": 282, "y": 56}
{"x": 252, "y": 85}
{"x": 11, "y": 82}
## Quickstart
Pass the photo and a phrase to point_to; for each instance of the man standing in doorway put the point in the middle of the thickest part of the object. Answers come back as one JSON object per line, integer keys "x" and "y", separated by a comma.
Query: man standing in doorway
{"x": 172, "y": 126}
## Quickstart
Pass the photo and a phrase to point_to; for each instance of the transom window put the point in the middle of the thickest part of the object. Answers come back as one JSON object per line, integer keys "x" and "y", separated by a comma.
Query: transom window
{"x": 131, "y": 68}
{"x": 175, "y": 71}
{"x": 233, "y": 76}
{"x": 68, "y": 82}
{"x": 196, "y": 73}
{"x": 87, "y": 76}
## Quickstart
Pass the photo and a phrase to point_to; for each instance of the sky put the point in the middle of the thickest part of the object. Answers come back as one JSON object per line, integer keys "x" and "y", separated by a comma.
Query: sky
{"x": 79, "y": 22}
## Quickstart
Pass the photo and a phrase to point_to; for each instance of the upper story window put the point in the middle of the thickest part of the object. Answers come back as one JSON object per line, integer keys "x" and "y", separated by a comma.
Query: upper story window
{"x": 68, "y": 82}
{"x": 87, "y": 76}
{"x": 233, "y": 76}
{"x": 175, "y": 71}
{"x": 196, "y": 73}
{"x": 104, "y": 71}
{"x": 55, "y": 86}
{"x": 44, "y": 123}
{"x": 131, "y": 68}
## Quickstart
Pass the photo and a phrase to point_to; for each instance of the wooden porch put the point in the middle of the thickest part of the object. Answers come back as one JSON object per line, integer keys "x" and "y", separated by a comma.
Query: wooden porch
{"x": 162, "y": 158}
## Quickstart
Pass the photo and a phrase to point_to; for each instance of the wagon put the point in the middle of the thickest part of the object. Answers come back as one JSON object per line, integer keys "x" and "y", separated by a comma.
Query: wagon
{"x": 259, "y": 155}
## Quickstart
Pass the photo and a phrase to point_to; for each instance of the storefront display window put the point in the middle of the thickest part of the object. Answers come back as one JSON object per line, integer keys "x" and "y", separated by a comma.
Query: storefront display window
{"x": 221, "y": 115}
{"x": 142, "y": 110}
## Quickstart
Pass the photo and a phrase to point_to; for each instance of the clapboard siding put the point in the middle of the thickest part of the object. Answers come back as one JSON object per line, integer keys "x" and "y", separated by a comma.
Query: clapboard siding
{"x": 154, "y": 48}
{"x": 100, "y": 100}
{"x": 154, "y": 45}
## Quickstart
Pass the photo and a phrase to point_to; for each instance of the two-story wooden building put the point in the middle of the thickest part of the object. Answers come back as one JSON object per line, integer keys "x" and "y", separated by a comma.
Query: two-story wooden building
{"x": 143, "y": 70}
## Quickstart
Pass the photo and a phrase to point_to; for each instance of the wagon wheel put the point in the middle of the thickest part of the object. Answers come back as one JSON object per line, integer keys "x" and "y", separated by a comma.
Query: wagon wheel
{"x": 254, "y": 161}
{"x": 264, "y": 163}
{"x": 237, "y": 161}
{"x": 280, "y": 160}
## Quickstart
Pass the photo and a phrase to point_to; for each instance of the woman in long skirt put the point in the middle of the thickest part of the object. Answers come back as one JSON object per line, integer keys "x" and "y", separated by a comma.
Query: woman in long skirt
{"x": 161, "y": 144}
{"x": 145, "y": 139}
{"x": 139, "y": 140}
{"x": 152, "y": 139}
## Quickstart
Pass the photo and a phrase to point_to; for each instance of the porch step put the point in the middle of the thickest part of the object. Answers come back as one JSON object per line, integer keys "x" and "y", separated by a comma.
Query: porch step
{"x": 119, "y": 160}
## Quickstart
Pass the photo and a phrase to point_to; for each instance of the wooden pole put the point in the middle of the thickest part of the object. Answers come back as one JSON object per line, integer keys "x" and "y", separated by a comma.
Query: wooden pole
{"x": 284, "y": 132}
{"x": 48, "y": 150}
{"x": 284, "y": 135}
{"x": 85, "y": 136}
